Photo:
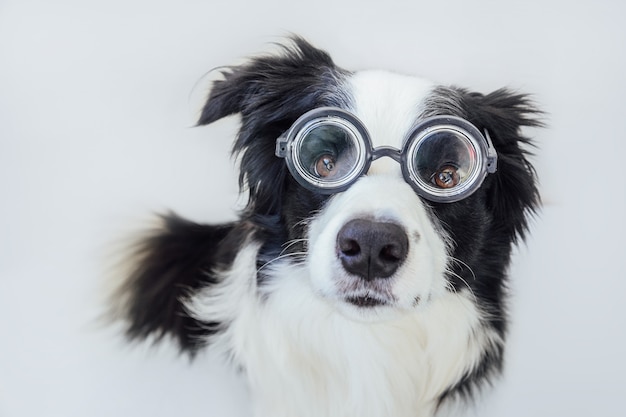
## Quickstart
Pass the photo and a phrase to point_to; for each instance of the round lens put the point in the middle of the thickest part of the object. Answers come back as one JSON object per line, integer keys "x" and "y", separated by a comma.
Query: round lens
{"x": 445, "y": 163}
{"x": 328, "y": 153}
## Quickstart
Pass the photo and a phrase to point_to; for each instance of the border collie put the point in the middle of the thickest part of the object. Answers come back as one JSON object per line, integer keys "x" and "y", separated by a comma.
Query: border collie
{"x": 366, "y": 275}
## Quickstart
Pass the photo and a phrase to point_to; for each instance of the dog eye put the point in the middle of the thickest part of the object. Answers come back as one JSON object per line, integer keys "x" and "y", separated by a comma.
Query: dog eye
{"x": 446, "y": 176}
{"x": 325, "y": 165}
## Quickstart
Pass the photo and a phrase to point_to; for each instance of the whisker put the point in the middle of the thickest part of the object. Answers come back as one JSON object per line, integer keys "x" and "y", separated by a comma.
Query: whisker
{"x": 462, "y": 263}
{"x": 464, "y": 282}
{"x": 290, "y": 243}
{"x": 451, "y": 287}
{"x": 279, "y": 257}
{"x": 458, "y": 261}
{"x": 303, "y": 222}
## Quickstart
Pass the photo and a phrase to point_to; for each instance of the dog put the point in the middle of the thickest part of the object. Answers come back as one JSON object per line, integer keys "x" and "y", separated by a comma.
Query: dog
{"x": 367, "y": 274}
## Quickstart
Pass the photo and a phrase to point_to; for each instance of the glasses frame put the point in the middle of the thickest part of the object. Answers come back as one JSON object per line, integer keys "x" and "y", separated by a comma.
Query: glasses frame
{"x": 288, "y": 145}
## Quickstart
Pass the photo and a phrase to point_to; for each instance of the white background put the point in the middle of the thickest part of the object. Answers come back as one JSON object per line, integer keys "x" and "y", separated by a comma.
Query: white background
{"x": 96, "y": 107}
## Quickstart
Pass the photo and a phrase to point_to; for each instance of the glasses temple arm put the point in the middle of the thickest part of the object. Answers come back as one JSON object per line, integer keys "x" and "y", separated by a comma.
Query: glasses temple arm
{"x": 492, "y": 155}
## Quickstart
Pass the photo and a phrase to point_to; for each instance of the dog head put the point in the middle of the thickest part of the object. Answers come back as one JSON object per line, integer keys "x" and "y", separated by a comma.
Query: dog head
{"x": 380, "y": 245}
{"x": 382, "y": 211}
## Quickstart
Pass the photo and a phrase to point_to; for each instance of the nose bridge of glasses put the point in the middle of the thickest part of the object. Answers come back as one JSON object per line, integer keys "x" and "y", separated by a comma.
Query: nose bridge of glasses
{"x": 388, "y": 151}
{"x": 381, "y": 158}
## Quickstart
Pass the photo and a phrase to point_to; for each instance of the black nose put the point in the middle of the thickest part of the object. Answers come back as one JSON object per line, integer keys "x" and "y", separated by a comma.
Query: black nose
{"x": 372, "y": 249}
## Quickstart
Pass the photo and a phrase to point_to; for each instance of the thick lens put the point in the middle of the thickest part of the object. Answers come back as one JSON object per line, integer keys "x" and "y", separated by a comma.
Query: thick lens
{"x": 328, "y": 153}
{"x": 445, "y": 162}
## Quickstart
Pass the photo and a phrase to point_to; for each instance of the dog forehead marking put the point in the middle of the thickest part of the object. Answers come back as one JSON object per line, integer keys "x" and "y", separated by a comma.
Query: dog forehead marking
{"x": 388, "y": 104}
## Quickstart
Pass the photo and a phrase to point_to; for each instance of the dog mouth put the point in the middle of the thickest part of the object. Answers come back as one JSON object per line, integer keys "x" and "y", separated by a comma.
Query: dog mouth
{"x": 366, "y": 301}
{"x": 368, "y": 295}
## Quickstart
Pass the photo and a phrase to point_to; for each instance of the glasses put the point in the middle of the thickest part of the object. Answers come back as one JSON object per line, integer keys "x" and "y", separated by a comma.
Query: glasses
{"x": 444, "y": 158}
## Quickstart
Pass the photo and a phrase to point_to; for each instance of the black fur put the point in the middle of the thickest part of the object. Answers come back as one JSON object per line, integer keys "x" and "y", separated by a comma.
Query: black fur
{"x": 486, "y": 225}
{"x": 270, "y": 93}
{"x": 171, "y": 263}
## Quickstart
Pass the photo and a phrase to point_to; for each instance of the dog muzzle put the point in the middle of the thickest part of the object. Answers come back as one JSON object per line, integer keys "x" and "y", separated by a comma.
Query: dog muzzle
{"x": 444, "y": 158}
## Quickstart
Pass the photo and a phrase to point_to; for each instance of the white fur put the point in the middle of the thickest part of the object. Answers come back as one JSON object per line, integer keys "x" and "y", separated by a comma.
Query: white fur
{"x": 306, "y": 351}
{"x": 388, "y": 199}
{"x": 388, "y": 104}
{"x": 304, "y": 358}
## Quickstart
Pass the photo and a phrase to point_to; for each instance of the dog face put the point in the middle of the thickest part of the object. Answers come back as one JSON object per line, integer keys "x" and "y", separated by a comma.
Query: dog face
{"x": 373, "y": 241}
{"x": 376, "y": 249}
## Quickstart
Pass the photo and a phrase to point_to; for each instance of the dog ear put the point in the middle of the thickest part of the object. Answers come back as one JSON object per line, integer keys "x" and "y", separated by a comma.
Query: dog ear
{"x": 270, "y": 92}
{"x": 272, "y": 84}
{"x": 513, "y": 196}
{"x": 168, "y": 266}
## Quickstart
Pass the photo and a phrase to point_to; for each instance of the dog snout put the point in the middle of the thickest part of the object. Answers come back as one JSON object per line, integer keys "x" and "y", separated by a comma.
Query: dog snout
{"x": 372, "y": 249}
